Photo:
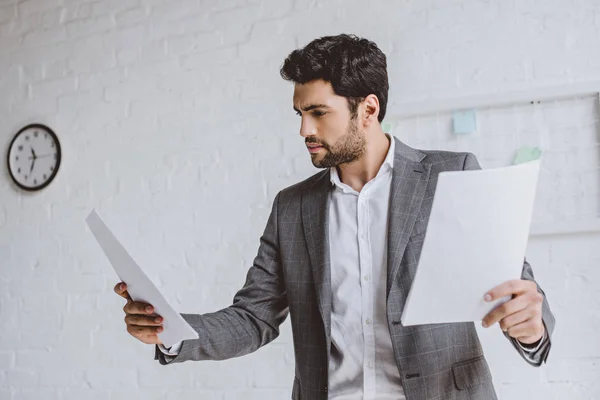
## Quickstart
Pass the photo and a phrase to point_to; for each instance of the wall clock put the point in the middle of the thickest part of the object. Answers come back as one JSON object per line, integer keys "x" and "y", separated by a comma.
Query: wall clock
{"x": 34, "y": 157}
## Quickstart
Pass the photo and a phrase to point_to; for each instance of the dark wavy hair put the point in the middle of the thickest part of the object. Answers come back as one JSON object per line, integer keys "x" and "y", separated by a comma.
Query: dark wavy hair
{"x": 354, "y": 66}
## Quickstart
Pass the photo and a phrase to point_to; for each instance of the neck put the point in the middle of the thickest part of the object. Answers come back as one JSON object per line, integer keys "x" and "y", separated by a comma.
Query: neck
{"x": 357, "y": 173}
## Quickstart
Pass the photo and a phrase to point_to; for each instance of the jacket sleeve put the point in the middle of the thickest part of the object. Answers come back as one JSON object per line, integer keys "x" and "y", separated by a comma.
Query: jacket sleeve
{"x": 540, "y": 355}
{"x": 252, "y": 320}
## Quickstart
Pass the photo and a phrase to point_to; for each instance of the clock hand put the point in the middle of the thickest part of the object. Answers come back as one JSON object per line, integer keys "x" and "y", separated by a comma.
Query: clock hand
{"x": 33, "y": 152}
{"x": 32, "y": 164}
{"x": 42, "y": 156}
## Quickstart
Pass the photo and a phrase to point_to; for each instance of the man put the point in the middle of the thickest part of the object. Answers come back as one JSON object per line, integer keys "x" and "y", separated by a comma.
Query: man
{"x": 340, "y": 250}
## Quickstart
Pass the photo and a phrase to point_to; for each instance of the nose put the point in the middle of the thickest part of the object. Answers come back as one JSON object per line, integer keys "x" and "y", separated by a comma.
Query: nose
{"x": 306, "y": 128}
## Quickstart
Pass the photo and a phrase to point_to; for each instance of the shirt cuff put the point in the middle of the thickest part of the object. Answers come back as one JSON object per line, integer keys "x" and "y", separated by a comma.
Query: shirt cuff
{"x": 532, "y": 349}
{"x": 171, "y": 351}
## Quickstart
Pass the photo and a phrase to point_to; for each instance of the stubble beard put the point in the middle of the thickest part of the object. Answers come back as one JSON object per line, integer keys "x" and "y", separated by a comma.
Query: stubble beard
{"x": 351, "y": 147}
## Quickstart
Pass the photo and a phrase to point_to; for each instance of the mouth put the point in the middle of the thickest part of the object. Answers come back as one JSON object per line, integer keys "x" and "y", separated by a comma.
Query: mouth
{"x": 314, "y": 148}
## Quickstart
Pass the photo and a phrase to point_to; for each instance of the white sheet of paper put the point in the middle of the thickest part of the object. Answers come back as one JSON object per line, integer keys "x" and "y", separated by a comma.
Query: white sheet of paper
{"x": 139, "y": 285}
{"x": 475, "y": 240}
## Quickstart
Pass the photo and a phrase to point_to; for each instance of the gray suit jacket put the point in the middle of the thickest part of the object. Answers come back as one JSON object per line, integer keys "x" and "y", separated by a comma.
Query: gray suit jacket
{"x": 291, "y": 274}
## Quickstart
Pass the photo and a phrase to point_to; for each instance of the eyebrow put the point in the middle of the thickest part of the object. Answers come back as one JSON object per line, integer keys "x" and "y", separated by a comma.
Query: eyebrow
{"x": 312, "y": 107}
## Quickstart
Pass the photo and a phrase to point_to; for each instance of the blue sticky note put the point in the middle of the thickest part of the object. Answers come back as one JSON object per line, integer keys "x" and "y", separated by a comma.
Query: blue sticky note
{"x": 526, "y": 154}
{"x": 464, "y": 122}
{"x": 386, "y": 127}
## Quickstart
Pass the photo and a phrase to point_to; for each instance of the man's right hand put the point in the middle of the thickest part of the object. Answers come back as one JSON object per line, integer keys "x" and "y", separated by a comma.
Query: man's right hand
{"x": 141, "y": 321}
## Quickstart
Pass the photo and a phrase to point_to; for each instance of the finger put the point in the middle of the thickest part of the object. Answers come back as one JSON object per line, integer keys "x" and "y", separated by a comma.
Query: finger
{"x": 142, "y": 320}
{"x": 152, "y": 339}
{"x": 525, "y": 329}
{"x": 121, "y": 290}
{"x": 516, "y": 319}
{"x": 137, "y": 307}
{"x": 504, "y": 310}
{"x": 509, "y": 288}
{"x": 143, "y": 331}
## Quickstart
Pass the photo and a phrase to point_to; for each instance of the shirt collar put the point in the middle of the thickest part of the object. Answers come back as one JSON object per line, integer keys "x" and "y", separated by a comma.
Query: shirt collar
{"x": 388, "y": 163}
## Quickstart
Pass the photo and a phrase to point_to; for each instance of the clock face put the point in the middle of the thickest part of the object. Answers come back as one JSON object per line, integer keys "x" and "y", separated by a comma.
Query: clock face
{"x": 34, "y": 157}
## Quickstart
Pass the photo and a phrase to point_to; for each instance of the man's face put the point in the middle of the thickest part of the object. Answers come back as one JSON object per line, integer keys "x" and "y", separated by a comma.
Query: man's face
{"x": 327, "y": 124}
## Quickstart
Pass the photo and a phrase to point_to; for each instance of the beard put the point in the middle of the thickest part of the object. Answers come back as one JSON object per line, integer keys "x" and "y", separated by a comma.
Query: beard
{"x": 348, "y": 148}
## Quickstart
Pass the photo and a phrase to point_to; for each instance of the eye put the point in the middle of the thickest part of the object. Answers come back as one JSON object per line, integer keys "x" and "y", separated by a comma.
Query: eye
{"x": 298, "y": 113}
{"x": 318, "y": 113}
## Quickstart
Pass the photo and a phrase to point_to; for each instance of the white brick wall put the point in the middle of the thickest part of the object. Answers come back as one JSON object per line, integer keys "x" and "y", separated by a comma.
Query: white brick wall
{"x": 176, "y": 125}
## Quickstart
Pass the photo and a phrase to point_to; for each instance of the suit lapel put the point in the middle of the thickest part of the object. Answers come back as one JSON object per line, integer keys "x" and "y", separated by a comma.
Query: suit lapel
{"x": 315, "y": 220}
{"x": 409, "y": 181}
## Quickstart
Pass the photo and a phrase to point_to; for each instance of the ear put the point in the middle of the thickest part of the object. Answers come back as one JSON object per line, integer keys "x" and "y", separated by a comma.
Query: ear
{"x": 370, "y": 110}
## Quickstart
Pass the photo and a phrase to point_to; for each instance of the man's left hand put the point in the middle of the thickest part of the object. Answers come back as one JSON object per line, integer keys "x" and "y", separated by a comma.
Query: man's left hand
{"x": 520, "y": 317}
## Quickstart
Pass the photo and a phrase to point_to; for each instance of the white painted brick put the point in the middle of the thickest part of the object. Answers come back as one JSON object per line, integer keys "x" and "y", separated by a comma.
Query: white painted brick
{"x": 182, "y": 45}
{"x": 212, "y": 58}
{"x": 153, "y": 100}
{"x": 574, "y": 370}
{"x": 82, "y": 10}
{"x": 43, "y": 90}
{"x": 77, "y": 101}
{"x": 245, "y": 17}
{"x": 196, "y": 23}
{"x": 154, "y": 51}
{"x": 28, "y": 7}
{"x": 41, "y": 358}
{"x": 153, "y": 70}
{"x": 90, "y": 56}
{"x": 111, "y": 378}
{"x": 22, "y": 378}
{"x": 53, "y": 18}
{"x": 55, "y": 69}
{"x": 47, "y": 36}
{"x": 7, "y": 360}
{"x": 131, "y": 16}
{"x": 126, "y": 37}
{"x": 87, "y": 284}
{"x": 194, "y": 394}
{"x": 89, "y": 26}
{"x": 256, "y": 394}
{"x": 107, "y": 7}
{"x": 156, "y": 394}
{"x": 91, "y": 394}
{"x": 174, "y": 10}
{"x": 201, "y": 42}
{"x": 7, "y": 13}
{"x": 101, "y": 79}
{"x": 36, "y": 394}
{"x": 62, "y": 377}
{"x": 128, "y": 56}
{"x": 166, "y": 378}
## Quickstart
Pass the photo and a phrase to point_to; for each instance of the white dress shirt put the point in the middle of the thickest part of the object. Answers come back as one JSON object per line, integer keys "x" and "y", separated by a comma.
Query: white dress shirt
{"x": 362, "y": 364}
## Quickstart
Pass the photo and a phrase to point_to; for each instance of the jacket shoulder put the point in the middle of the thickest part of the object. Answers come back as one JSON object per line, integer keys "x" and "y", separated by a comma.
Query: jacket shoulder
{"x": 296, "y": 190}
{"x": 443, "y": 160}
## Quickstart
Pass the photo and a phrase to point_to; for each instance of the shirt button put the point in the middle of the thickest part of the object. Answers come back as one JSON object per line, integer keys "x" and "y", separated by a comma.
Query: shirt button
{"x": 370, "y": 364}
{"x": 368, "y": 321}
{"x": 366, "y": 277}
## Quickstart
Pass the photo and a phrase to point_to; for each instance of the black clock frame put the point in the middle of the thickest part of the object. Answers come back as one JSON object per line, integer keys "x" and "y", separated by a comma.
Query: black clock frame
{"x": 58, "y": 157}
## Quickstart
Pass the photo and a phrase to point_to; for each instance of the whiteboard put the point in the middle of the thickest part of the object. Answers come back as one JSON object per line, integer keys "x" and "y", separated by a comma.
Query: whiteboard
{"x": 567, "y": 131}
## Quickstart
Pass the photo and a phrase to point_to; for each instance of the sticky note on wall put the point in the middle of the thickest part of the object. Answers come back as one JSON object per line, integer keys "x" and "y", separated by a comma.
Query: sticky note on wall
{"x": 464, "y": 122}
{"x": 526, "y": 154}
{"x": 386, "y": 127}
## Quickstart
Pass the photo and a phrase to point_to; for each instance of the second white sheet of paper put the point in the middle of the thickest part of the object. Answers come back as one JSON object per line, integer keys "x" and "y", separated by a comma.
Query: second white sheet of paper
{"x": 475, "y": 240}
